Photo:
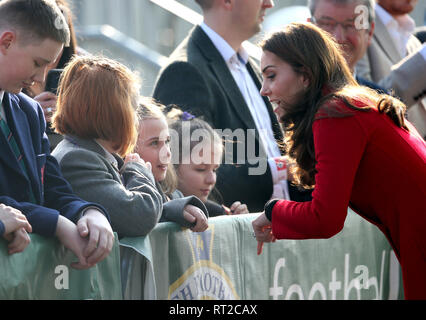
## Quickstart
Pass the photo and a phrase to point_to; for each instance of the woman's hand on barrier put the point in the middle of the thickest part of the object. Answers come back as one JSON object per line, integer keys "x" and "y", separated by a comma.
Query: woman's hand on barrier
{"x": 195, "y": 215}
{"x": 262, "y": 228}
{"x": 95, "y": 227}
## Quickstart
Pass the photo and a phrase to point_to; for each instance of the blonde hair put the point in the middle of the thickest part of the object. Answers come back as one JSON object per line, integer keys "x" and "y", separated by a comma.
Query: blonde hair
{"x": 97, "y": 100}
{"x": 148, "y": 108}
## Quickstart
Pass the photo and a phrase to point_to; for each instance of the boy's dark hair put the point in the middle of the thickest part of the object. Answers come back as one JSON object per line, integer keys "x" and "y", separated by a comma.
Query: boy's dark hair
{"x": 35, "y": 20}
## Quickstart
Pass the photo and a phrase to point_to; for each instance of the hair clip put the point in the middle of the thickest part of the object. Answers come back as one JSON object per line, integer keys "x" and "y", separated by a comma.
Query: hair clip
{"x": 186, "y": 116}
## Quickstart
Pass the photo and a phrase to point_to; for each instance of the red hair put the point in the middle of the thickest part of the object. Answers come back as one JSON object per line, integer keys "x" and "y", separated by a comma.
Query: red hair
{"x": 97, "y": 100}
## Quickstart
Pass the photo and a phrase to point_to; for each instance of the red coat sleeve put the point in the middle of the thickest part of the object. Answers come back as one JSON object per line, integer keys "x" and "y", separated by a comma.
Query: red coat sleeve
{"x": 339, "y": 146}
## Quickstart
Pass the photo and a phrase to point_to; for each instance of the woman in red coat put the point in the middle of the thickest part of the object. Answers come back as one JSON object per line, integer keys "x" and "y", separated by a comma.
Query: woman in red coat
{"x": 350, "y": 143}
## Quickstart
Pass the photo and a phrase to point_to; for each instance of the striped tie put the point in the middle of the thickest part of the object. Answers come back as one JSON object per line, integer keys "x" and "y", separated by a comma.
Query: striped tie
{"x": 12, "y": 142}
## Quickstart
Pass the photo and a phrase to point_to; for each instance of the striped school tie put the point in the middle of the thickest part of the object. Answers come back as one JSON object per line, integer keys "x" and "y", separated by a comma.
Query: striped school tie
{"x": 12, "y": 142}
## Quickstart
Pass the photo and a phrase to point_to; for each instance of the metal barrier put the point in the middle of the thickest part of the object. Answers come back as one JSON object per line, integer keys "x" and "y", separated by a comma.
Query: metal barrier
{"x": 114, "y": 38}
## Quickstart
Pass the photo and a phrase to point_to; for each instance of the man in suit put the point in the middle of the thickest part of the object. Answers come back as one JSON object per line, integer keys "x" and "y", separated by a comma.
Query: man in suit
{"x": 353, "y": 32}
{"x": 396, "y": 59}
{"x": 32, "y": 35}
{"x": 211, "y": 75}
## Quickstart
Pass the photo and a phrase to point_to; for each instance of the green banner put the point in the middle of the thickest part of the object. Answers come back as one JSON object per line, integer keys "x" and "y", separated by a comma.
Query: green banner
{"x": 137, "y": 272}
{"x": 222, "y": 263}
{"x": 43, "y": 272}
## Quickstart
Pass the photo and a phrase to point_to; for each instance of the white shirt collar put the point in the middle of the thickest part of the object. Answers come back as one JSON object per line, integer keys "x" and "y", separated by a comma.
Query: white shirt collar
{"x": 405, "y": 22}
{"x": 384, "y": 16}
{"x": 108, "y": 154}
{"x": 222, "y": 46}
{"x": 2, "y": 113}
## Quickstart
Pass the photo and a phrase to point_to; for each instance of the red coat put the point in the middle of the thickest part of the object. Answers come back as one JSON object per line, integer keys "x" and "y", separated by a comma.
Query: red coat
{"x": 366, "y": 162}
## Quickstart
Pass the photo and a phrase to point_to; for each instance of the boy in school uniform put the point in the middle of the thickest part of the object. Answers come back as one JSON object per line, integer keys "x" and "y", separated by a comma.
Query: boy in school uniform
{"x": 32, "y": 36}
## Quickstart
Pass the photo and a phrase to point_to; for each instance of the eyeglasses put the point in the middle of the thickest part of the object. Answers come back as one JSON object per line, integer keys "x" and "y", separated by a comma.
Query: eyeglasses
{"x": 330, "y": 25}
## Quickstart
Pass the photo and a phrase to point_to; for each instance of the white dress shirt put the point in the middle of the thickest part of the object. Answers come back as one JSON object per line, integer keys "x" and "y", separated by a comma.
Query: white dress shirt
{"x": 2, "y": 114}
{"x": 236, "y": 62}
{"x": 400, "y": 29}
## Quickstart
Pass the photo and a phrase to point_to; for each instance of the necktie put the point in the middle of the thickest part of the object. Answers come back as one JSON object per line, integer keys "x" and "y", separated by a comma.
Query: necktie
{"x": 19, "y": 157}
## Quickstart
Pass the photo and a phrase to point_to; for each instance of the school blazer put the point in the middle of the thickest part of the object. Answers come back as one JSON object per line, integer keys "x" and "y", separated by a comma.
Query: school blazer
{"x": 128, "y": 192}
{"x": 197, "y": 80}
{"x": 53, "y": 194}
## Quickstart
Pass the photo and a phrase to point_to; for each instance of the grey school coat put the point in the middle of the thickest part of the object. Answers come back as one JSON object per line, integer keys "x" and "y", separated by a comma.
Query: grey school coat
{"x": 127, "y": 191}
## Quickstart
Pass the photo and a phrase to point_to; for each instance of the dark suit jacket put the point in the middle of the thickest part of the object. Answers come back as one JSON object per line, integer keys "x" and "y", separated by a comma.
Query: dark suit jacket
{"x": 198, "y": 80}
{"x": 52, "y": 192}
{"x": 364, "y": 82}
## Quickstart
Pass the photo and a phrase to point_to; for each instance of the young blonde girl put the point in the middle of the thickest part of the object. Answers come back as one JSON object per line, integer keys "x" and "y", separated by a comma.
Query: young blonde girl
{"x": 153, "y": 146}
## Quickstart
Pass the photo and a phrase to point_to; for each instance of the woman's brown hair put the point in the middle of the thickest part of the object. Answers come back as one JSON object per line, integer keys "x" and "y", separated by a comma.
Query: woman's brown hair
{"x": 97, "y": 98}
{"x": 312, "y": 52}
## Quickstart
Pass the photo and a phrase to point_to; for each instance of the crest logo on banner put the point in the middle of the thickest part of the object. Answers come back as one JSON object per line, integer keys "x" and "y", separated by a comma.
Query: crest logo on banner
{"x": 204, "y": 280}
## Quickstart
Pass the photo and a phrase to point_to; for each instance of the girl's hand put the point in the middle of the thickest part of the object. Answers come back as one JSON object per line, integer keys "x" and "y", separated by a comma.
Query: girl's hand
{"x": 134, "y": 157}
{"x": 238, "y": 208}
{"x": 47, "y": 101}
{"x": 193, "y": 214}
